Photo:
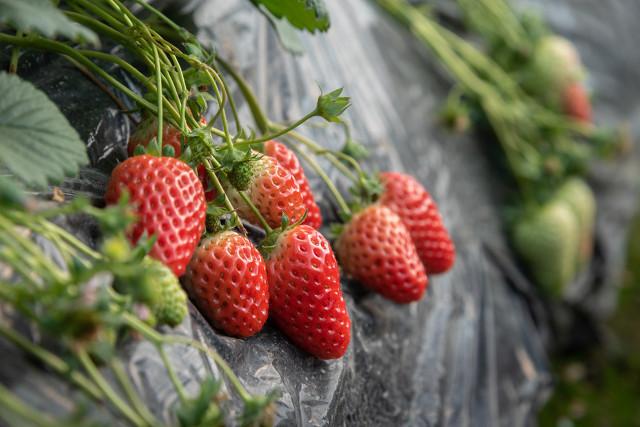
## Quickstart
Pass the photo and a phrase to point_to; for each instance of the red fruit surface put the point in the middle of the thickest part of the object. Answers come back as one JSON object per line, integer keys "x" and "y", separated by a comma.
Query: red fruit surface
{"x": 404, "y": 195}
{"x": 209, "y": 193}
{"x": 169, "y": 202}
{"x": 576, "y": 103}
{"x": 306, "y": 301}
{"x": 287, "y": 159}
{"x": 376, "y": 249}
{"x": 227, "y": 280}
{"x": 273, "y": 190}
{"x": 148, "y": 129}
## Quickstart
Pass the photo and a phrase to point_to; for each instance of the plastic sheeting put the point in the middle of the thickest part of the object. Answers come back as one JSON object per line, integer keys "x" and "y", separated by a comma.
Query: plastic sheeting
{"x": 469, "y": 352}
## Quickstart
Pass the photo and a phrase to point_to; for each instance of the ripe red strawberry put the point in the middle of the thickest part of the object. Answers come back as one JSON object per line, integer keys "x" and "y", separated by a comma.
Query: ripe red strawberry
{"x": 408, "y": 198}
{"x": 227, "y": 280}
{"x": 305, "y": 296}
{"x": 270, "y": 187}
{"x": 148, "y": 129}
{"x": 209, "y": 193}
{"x": 576, "y": 102}
{"x": 287, "y": 159}
{"x": 169, "y": 202}
{"x": 376, "y": 249}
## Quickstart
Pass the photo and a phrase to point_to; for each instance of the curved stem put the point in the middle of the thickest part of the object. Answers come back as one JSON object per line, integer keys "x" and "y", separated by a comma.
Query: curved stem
{"x": 54, "y": 362}
{"x": 218, "y": 186}
{"x": 257, "y": 113}
{"x": 152, "y": 335}
{"x": 103, "y": 385}
{"x": 10, "y": 403}
{"x": 330, "y": 185}
{"x": 284, "y": 130}
{"x": 129, "y": 390}
{"x": 256, "y": 212}
{"x": 177, "y": 384}
{"x": 318, "y": 148}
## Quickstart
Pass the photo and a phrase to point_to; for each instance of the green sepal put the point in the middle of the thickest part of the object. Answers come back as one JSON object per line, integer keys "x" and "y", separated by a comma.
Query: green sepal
{"x": 331, "y": 105}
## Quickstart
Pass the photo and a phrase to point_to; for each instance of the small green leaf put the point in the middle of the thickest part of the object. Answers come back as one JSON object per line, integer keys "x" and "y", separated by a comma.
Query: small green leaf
{"x": 331, "y": 105}
{"x": 287, "y": 33}
{"x": 37, "y": 143}
{"x": 310, "y": 15}
{"x": 42, "y": 17}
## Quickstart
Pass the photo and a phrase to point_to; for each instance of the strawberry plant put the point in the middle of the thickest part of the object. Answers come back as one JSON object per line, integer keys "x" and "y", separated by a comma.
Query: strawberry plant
{"x": 525, "y": 87}
{"x": 181, "y": 205}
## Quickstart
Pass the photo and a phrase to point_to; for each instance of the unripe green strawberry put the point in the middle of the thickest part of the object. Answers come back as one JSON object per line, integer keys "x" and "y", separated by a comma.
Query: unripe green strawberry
{"x": 556, "y": 64}
{"x": 547, "y": 242}
{"x": 171, "y": 307}
{"x": 270, "y": 187}
{"x": 582, "y": 202}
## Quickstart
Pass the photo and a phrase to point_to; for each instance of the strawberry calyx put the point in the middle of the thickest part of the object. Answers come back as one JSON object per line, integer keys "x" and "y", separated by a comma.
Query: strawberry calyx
{"x": 268, "y": 244}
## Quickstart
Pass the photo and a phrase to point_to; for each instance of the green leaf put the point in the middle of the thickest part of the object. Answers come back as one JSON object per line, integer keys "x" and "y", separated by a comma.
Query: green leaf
{"x": 310, "y": 15}
{"x": 42, "y": 17}
{"x": 37, "y": 143}
{"x": 287, "y": 33}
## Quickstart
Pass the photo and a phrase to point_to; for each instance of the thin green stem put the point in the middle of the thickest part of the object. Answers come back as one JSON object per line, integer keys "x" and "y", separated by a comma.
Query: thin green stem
{"x": 220, "y": 190}
{"x": 110, "y": 394}
{"x": 322, "y": 174}
{"x": 318, "y": 148}
{"x": 15, "y": 57}
{"x": 256, "y": 212}
{"x": 10, "y": 403}
{"x": 159, "y": 85}
{"x": 222, "y": 364}
{"x": 54, "y": 362}
{"x": 160, "y": 339}
{"x": 285, "y": 129}
{"x": 129, "y": 390}
{"x": 177, "y": 384}
{"x": 258, "y": 115}
{"x": 44, "y": 44}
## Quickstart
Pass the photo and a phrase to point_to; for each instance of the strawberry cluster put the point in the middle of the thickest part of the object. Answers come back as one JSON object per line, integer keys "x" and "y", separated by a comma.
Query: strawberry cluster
{"x": 292, "y": 277}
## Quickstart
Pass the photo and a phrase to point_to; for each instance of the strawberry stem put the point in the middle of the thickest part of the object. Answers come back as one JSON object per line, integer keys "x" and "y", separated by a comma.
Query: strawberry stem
{"x": 54, "y": 362}
{"x": 159, "y": 85}
{"x": 256, "y": 212}
{"x": 125, "y": 384}
{"x": 330, "y": 185}
{"x": 177, "y": 384}
{"x": 107, "y": 390}
{"x": 258, "y": 115}
{"x": 11, "y": 404}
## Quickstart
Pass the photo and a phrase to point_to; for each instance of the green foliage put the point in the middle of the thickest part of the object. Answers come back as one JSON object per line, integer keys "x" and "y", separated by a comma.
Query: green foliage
{"x": 202, "y": 411}
{"x": 42, "y": 17}
{"x": 37, "y": 143}
{"x": 310, "y": 15}
{"x": 331, "y": 105}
